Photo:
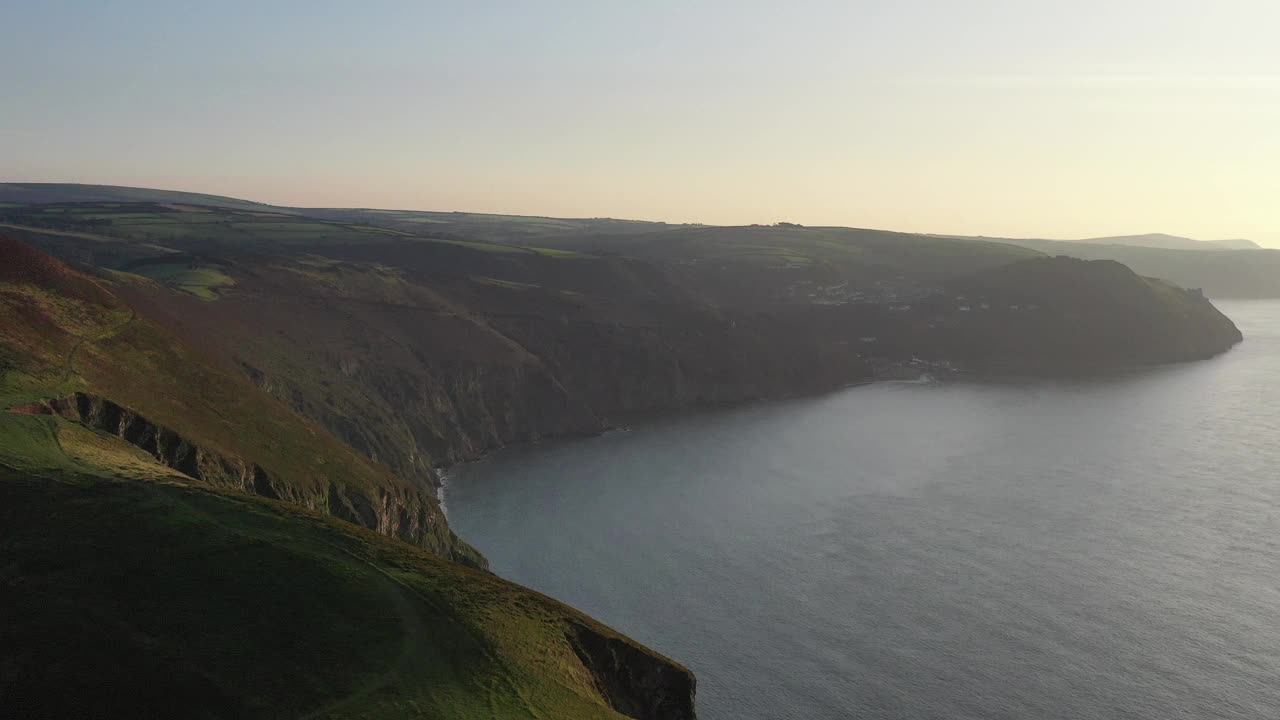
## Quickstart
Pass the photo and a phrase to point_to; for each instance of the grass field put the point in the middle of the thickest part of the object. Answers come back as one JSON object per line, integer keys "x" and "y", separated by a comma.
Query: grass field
{"x": 205, "y": 282}
{"x": 52, "y": 344}
{"x": 508, "y": 284}
{"x": 130, "y": 589}
{"x": 107, "y": 194}
{"x": 187, "y": 228}
{"x": 169, "y": 600}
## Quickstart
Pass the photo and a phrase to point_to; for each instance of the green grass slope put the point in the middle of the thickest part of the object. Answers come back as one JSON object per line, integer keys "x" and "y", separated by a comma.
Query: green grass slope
{"x": 1222, "y": 272}
{"x": 129, "y": 591}
{"x": 76, "y": 193}
{"x": 850, "y": 248}
{"x": 1074, "y": 316}
{"x": 758, "y": 264}
{"x": 69, "y": 345}
{"x": 480, "y": 226}
{"x": 1172, "y": 242}
{"x": 128, "y": 587}
{"x": 517, "y": 229}
{"x": 125, "y": 235}
{"x": 1242, "y": 274}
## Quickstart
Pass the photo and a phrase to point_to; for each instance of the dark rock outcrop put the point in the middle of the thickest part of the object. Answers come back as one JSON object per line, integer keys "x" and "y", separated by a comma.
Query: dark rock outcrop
{"x": 405, "y": 515}
{"x": 1066, "y": 316}
{"x": 634, "y": 682}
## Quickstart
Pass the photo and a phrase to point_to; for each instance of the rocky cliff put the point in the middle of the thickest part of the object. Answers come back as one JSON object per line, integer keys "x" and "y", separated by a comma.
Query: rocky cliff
{"x": 1067, "y": 316}
{"x": 441, "y": 369}
{"x": 72, "y": 348}
{"x": 635, "y": 683}
{"x": 400, "y": 513}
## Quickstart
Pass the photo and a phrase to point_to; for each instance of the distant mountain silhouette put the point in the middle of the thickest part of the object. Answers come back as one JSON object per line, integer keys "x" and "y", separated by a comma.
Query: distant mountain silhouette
{"x": 1173, "y": 242}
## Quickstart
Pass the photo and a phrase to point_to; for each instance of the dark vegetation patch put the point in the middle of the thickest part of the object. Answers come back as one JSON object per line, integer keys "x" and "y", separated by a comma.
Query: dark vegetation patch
{"x": 104, "y": 351}
{"x": 435, "y": 343}
{"x": 172, "y": 601}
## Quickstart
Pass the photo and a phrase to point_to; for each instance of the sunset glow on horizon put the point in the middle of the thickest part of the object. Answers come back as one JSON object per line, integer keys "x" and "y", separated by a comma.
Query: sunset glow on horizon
{"x": 1027, "y": 119}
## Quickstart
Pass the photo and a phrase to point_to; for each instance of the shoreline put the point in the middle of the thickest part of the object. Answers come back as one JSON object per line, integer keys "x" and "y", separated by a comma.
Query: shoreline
{"x": 627, "y": 421}
{"x": 442, "y": 481}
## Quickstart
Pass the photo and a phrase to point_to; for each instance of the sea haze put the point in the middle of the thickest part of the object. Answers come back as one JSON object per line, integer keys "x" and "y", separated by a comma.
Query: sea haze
{"x": 1107, "y": 548}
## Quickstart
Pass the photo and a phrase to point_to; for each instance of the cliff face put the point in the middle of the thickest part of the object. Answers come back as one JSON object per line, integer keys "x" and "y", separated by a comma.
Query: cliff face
{"x": 404, "y": 515}
{"x": 70, "y": 347}
{"x": 446, "y": 369}
{"x": 130, "y": 597}
{"x": 187, "y": 591}
{"x": 417, "y": 352}
{"x": 1063, "y": 315}
{"x": 424, "y": 384}
{"x": 426, "y": 350}
{"x": 635, "y": 683}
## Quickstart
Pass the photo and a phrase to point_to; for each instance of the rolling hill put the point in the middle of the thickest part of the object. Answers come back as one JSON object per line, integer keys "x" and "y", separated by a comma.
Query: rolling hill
{"x": 429, "y": 347}
{"x": 1225, "y": 274}
{"x": 72, "y": 348}
{"x": 26, "y": 193}
{"x": 1172, "y": 242}
{"x": 174, "y": 542}
{"x": 240, "y": 409}
{"x": 483, "y": 226}
{"x": 1250, "y": 272}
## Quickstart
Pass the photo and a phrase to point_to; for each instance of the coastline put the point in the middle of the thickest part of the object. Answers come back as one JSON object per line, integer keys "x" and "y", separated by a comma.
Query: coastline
{"x": 442, "y": 481}
{"x": 627, "y": 422}
{"x": 932, "y": 374}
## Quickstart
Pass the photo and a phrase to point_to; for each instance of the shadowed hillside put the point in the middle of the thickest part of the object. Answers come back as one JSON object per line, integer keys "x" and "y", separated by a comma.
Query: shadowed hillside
{"x": 71, "y": 348}
{"x": 1075, "y": 315}
{"x": 175, "y": 600}
{"x": 23, "y": 193}
{"x": 174, "y": 542}
{"x": 1243, "y": 273}
{"x": 158, "y": 396}
{"x": 430, "y": 346}
{"x": 1173, "y": 242}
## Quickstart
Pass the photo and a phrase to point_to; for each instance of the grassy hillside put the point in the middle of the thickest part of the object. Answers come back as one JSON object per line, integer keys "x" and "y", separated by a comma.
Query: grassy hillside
{"x": 1222, "y": 273}
{"x": 421, "y": 344}
{"x": 205, "y": 334}
{"x": 479, "y": 226}
{"x": 140, "y": 575}
{"x": 416, "y": 348}
{"x": 510, "y": 229}
{"x": 23, "y": 193}
{"x": 70, "y": 346}
{"x": 1077, "y": 316}
{"x": 129, "y": 591}
{"x": 136, "y": 235}
{"x": 1172, "y": 242}
{"x": 169, "y": 218}
{"x": 757, "y": 265}
{"x": 874, "y": 249}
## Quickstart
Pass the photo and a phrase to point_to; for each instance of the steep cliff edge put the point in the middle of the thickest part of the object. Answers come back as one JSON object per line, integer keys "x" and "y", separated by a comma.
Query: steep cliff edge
{"x": 1064, "y": 315}
{"x": 125, "y": 597}
{"x": 426, "y": 348}
{"x": 442, "y": 370}
{"x": 402, "y": 515}
{"x": 636, "y": 683}
{"x": 171, "y": 537}
{"x": 68, "y": 346}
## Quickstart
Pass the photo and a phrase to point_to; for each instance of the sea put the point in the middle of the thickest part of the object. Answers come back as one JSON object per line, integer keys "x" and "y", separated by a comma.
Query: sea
{"x": 1077, "y": 549}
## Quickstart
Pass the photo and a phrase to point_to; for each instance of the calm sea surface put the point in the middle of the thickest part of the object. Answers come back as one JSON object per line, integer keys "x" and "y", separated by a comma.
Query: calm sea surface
{"x": 1089, "y": 549}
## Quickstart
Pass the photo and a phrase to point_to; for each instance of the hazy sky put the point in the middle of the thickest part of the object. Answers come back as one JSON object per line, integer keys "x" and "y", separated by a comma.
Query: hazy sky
{"x": 1024, "y": 117}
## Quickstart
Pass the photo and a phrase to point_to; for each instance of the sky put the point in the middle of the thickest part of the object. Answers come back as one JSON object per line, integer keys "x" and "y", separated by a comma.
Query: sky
{"x": 1022, "y": 118}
